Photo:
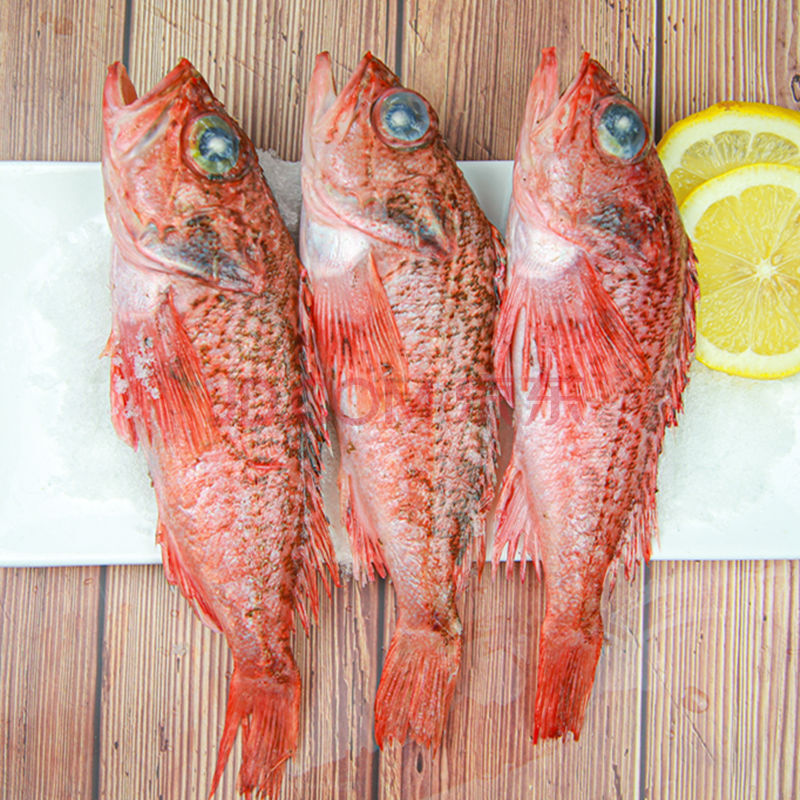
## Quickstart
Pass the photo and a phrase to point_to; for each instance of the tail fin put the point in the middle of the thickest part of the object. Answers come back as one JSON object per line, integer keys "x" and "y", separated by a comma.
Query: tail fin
{"x": 567, "y": 662}
{"x": 416, "y": 686}
{"x": 268, "y": 711}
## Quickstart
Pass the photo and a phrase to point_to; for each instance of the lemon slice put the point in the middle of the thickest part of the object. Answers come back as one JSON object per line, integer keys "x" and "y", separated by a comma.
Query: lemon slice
{"x": 725, "y": 136}
{"x": 745, "y": 229}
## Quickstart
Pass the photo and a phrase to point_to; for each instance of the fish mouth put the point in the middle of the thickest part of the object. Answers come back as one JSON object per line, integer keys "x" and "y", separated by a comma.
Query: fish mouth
{"x": 119, "y": 91}
{"x": 329, "y": 114}
{"x": 128, "y": 117}
{"x": 545, "y": 107}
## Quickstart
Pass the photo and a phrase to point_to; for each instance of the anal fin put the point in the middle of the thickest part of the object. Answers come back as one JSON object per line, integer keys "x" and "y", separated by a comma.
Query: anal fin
{"x": 367, "y": 553}
{"x": 516, "y": 524}
{"x": 178, "y": 575}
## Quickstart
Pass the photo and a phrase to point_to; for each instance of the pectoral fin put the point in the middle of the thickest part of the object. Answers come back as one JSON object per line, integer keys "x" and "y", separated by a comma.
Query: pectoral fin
{"x": 584, "y": 348}
{"x": 158, "y": 387}
{"x": 357, "y": 336}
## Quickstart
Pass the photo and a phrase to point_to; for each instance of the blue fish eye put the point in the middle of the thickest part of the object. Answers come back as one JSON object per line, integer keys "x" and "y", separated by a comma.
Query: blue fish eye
{"x": 621, "y": 132}
{"x": 217, "y": 144}
{"x": 403, "y": 116}
{"x": 214, "y": 145}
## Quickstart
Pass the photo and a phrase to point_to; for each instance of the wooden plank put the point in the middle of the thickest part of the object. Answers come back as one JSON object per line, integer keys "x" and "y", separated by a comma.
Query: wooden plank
{"x": 474, "y": 61}
{"x": 723, "y": 680}
{"x": 338, "y": 757}
{"x": 259, "y": 69}
{"x": 487, "y": 750}
{"x": 48, "y": 664}
{"x": 165, "y": 682}
{"x": 53, "y": 57}
{"x": 715, "y": 51}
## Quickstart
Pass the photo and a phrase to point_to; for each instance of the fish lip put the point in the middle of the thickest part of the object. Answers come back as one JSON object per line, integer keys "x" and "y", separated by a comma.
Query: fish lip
{"x": 329, "y": 112}
{"x": 587, "y": 72}
{"x": 321, "y": 89}
{"x": 119, "y": 92}
{"x": 569, "y": 95}
{"x": 366, "y": 80}
{"x": 545, "y": 104}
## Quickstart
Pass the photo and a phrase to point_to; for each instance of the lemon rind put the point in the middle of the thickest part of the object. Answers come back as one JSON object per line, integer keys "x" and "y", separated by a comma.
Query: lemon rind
{"x": 737, "y": 179}
{"x": 726, "y": 116}
{"x": 747, "y": 364}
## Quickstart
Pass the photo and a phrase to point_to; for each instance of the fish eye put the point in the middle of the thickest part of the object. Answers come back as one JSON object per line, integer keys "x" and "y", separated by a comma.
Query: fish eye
{"x": 213, "y": 146}
{"x": 620, "y": 130}
{"x": 402, "y": 119}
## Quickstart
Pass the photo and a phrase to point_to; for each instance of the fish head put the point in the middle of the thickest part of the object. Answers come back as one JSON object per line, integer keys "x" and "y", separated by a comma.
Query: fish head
{"x": 374, "y": 159}
{"x": 586, "y": 166}
{"x": 182, "y": 181}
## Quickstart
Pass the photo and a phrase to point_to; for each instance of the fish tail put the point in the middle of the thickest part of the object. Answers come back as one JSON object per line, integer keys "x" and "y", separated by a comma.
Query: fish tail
{"x": 417, "y": 684}
{"x": 567, "y": 661}
{"x": 268, "y": 711}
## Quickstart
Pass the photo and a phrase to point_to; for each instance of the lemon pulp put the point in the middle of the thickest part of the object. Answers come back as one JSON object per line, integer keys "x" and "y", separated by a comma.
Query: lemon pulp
{"x": 745, "y": 229}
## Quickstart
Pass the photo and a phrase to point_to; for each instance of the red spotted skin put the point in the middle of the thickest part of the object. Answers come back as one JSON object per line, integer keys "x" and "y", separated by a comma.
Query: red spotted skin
{"x": 210, "y": 377}
{"x": 416, "y": 421}
{"x": 586, "y": 458}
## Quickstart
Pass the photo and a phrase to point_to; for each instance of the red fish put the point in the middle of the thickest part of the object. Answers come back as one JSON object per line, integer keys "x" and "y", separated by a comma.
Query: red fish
{"x": 401, "y": 265}
{"x": 592, "y": 348}
{"x": 210, "y": 377}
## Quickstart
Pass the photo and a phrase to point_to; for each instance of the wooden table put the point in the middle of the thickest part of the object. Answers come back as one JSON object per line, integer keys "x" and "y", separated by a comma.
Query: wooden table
{"x": 112, "y": 689}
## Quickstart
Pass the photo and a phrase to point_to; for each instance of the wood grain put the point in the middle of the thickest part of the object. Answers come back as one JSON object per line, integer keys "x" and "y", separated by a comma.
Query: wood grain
{"x": 165, "y": 678}
{"x": 724, "y": 680}
{"x": 259, "y": 69}
{"x": 474, "y": 61}
{"x": 487, "y": 751}
{"x": 729, "y": 50}
{"x": 53, "y": 58}
{"x": 48, "y": 673}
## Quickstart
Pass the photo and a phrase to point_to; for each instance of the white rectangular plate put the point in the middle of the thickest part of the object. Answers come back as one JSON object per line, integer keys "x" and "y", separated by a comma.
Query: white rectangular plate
{"x": 74, "y": 494}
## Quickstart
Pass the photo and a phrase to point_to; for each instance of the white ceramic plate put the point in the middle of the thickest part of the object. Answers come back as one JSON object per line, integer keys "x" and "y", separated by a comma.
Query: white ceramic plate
{"x": 73, "y": 494}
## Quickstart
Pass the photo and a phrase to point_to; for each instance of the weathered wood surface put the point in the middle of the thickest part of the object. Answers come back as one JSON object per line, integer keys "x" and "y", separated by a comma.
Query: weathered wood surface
{"x": 49, "y": 623}
{"x": 53, "y": 58}
{"x": 715, "y": 51}
{"x": 722, "y": 680}
{"x": 109, "y": 685}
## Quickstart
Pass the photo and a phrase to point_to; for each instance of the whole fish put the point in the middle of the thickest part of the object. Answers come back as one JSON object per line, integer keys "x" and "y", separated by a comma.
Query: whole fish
{"x": 401, "y": 265}
{"x": 209, "y": 376}
{"x": 592, "y": 348}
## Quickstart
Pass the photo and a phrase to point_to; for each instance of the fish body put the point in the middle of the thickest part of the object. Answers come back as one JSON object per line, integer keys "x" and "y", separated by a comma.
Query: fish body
{"x": 401, "y": 265}
{"x": 210, "y": 377}
{"x": 592, "y": 348}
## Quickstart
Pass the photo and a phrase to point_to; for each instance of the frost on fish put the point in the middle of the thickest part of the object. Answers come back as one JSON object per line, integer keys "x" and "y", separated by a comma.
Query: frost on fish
{"x": 213, "y": 375}
{"x": 592, "y": 348}
{"x": 401, "y": 270}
